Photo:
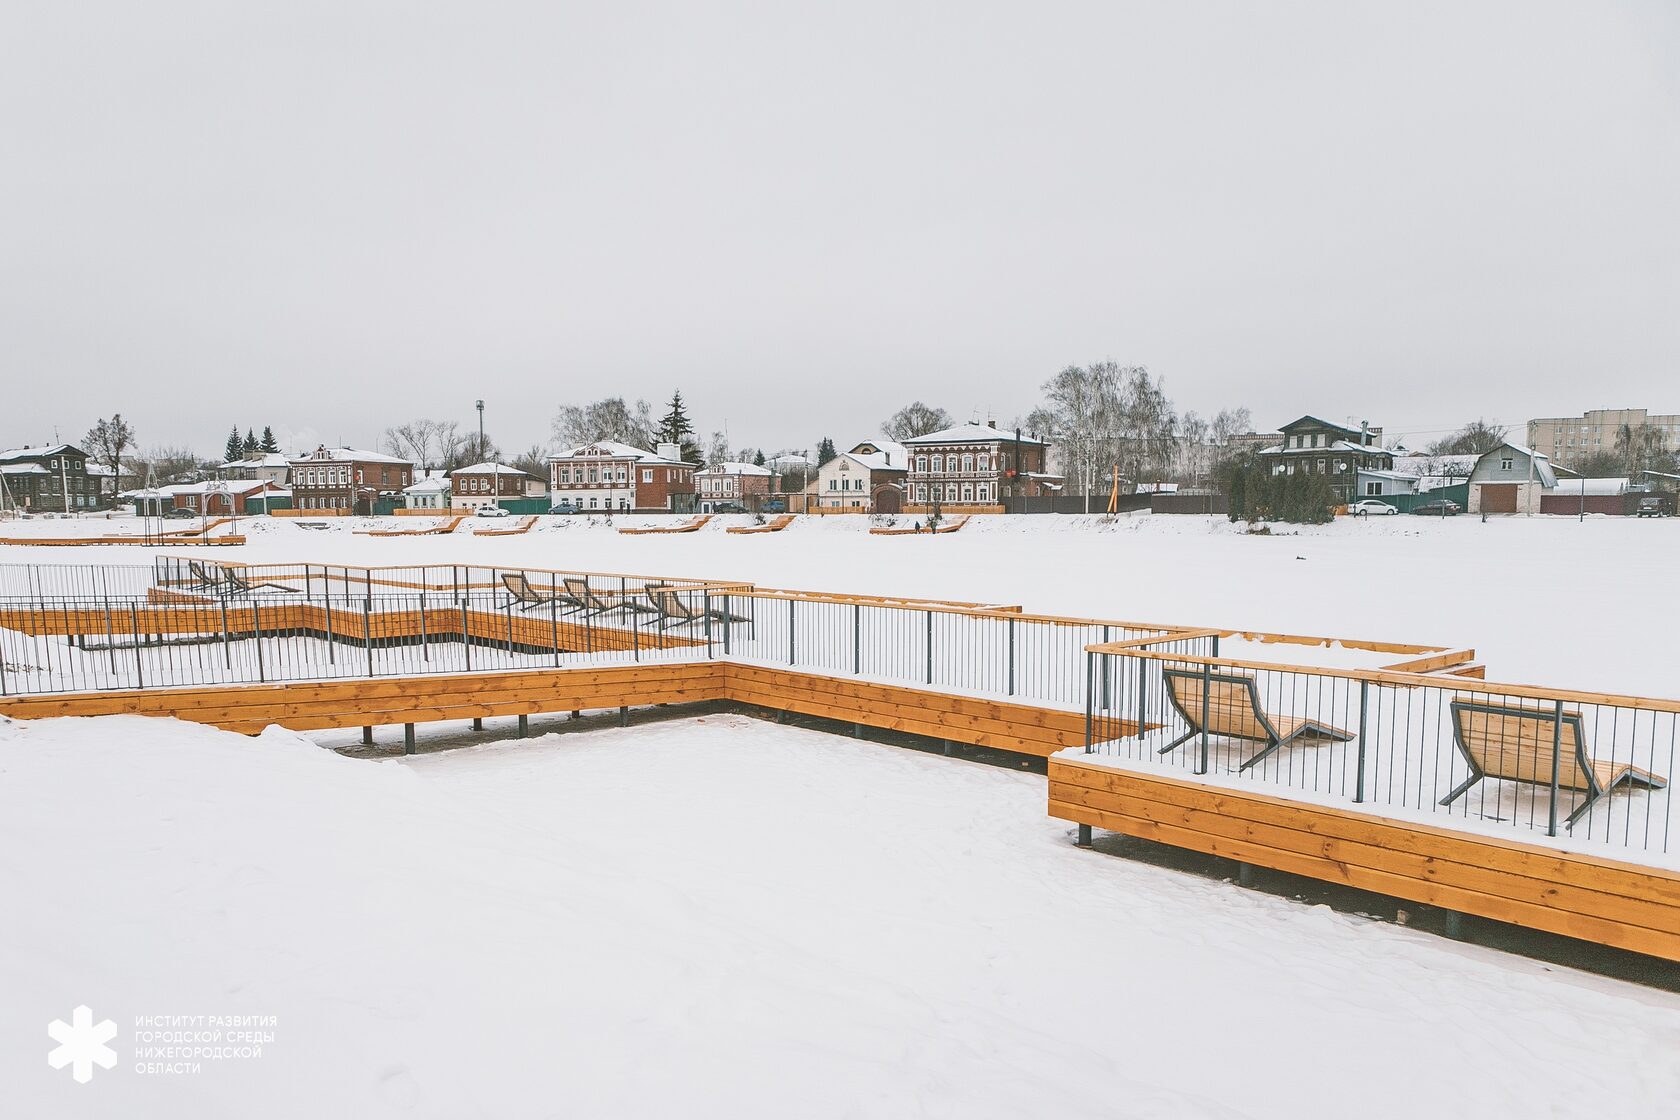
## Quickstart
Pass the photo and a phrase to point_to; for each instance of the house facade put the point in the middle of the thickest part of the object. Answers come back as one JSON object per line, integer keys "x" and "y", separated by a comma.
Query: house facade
{"x": 271, "y": 467}
{"x": 1314, "y": 446}
{"x": 485, "y": 484}
{"x": 430, "y": 492}
{"x": 348, "y": 479}
{"x": 1511, "y": 478}
{"x": 52, "y": 479}
{"x": 976, "y": 464}
{"x": 615, "y": 477}
{"x": 727, "y": 485}
{"x": 235, "y": 497}
{"x": 870, "y": 478}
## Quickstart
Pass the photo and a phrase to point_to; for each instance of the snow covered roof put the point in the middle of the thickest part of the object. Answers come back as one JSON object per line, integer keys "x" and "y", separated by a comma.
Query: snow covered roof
{"x": 491, "y": 468}
{"x": 433, "y": 484}
{"x": 876, "y": 462}
{"x": 736, "y": 468}
{"x": 23, "y": 468}
{"x": 269, "y": 459}
{"x": 1543, "y": 473}
{"x": 229, "y": 486}
{"x": 893, "y": 454}
{"x": 343, "y": 455}
{"x": 1339, "y": 445}
{"x": 1592, "y": 487}
{"x": 611, "y": 449}
{"x": 969, "y": 433}
{"x": 1440, "y": 466}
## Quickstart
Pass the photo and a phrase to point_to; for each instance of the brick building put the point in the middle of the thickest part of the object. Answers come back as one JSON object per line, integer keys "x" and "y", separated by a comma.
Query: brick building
{"x": 348, "y": 479}
{"x": 732, "y": 485}
{"x": 610, "y": 476}
{"x": 51, "y": 479}
{"x": 485, "y": 484}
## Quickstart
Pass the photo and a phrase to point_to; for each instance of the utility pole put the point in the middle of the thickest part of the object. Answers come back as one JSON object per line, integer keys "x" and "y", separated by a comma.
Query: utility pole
{"x": 482, "y": 456}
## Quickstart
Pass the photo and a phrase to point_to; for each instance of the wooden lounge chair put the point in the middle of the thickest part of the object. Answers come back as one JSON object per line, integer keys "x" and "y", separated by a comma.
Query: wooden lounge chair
{"x": 600, "y": 602}
{"x": 202, "y": 580}
{"x": 239, "y": 585}
{"x": 1234, "y": 712}
{"x": 673, "y": 610}
{"x": 520, "y": 590}
{"x": 1513, "y": 742}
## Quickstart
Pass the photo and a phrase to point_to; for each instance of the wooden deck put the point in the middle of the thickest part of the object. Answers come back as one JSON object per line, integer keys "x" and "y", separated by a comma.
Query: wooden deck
{"x": 950, "y": 526}
{"x": 446, "y": 525}
{"x": 1613, "y": 903}
{"x": 775, "y": 525}
{"x": 523, "y": 527}
{"x": 685, "y": 527}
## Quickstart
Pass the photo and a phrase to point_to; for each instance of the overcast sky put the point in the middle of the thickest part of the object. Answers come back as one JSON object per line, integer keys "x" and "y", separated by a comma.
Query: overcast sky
{"x": 335, "y": 217}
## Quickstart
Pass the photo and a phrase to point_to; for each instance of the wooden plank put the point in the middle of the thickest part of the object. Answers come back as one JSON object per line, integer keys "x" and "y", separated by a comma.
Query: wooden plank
{"x": 1532, "y": 860}
{"x": 1602, "y": 931}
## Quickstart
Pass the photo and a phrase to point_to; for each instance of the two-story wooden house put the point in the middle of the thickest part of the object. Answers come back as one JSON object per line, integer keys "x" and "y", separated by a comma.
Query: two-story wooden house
{"x": 1314, "y": 446}
{"x": 485, "y": 484}
{"x": 349, "y": 479}
{"x": 608, "y": 476}
{"x": 977, "y": 464}
{"x": 53, "y": 479}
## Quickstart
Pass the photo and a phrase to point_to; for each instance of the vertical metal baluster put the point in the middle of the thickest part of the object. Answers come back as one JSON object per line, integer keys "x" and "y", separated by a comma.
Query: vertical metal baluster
{"x": 930, "y": 647}
{"x": 1207, "y": 687}
{"x": 857, "y": 639}
{"x": 134, "y": 622}
{"x": 706, "y": 606}
{"x": 1359, "y": 783}
{"x": 1557, "y": 759}
{"x": 1090, "y": 669}
{"x": 791, "y": 647}
{"x": 466, "y": 636}
{"x": 367, "y": 631}
{"x": 425, "y": 639}
{"x": 1011, "y": 625}
{"x": 256, "y": 624}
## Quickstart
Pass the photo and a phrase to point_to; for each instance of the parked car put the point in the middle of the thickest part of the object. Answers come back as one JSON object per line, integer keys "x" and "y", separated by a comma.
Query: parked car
{"x": 1654, "y": 505}
{"x": 1440, "y": 507}
{"x": 490, "y": 511}
{"x": 775, "y": 505}
{"x": 180, "y": 511}
{"x": 566, "y": 507}
{"x": 1370, "y": 507}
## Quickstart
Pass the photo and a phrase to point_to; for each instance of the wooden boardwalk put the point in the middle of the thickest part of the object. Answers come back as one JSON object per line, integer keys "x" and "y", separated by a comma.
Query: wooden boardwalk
{"x": 775, "y": 525}
{"x": 685, "y": 527}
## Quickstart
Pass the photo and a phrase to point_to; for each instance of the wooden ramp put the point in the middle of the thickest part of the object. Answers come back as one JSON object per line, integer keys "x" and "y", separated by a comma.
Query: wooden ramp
{"x": 438, "y": 530}
{"x": 510, "y": 531}
{"x": 162, "y": 536}
{"x": 686, "y": 527}
{"x": 775, "y": 526}
{"x": 948, "y": 527}
{"x": 1626, "y": 905}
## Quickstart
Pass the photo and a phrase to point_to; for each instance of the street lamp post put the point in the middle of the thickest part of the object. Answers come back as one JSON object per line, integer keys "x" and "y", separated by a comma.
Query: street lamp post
{"x": 481, "y": 430}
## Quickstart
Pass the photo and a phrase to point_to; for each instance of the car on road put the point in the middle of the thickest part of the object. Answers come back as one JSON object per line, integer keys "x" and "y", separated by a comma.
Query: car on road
{"x": 178, "y": 512}
{"x": 490, "y": 511}
{"x": 1371, "y": 507}
{"x": 1440, "y": 507}
{"x": 1654, "y": 505}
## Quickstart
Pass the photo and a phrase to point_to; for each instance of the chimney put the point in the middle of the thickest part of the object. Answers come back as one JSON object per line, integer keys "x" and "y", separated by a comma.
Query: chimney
{"x": 1365, "y": 433}
{"x": 991, "y": 424}
{"x": 669, "y": 451}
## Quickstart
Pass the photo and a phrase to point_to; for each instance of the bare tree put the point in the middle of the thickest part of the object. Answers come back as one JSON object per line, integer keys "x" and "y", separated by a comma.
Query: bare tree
{"x": 717, "y": 449}
{"x": 608, "y": 418}
{"x": 914, "y": 419}
{"x": 533, "y": 461}
{"x": 1476, "y": 438}
{"x": 1109, "y": 418}
{"x": 471, "y": 450}
{"x": 432, "y": 444}
{"x": 108, "y": 439}
{"x": 161, "y": 466}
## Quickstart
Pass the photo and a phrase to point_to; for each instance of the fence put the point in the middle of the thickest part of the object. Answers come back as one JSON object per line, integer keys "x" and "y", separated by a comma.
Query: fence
{"x": 1494, "y": 757}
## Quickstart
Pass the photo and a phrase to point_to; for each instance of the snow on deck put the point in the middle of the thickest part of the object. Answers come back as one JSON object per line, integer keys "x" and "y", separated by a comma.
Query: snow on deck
{"x": 784, "y": 923}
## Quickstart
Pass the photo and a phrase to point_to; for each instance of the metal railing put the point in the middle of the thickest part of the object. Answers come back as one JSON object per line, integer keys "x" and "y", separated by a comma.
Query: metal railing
{"x": 1496, "y": 757}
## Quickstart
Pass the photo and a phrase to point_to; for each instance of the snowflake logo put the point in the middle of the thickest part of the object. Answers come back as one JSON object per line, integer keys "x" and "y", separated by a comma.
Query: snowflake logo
{"x": 81, "y": 1044}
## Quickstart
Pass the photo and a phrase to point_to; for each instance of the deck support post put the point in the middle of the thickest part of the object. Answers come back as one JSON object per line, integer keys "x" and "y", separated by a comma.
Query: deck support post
{"x": 367, "y": 736}
{"x": 947, "y": 744}
{"x": 478, "y": 724}
{"x": 1454, "y": 927}
{"x": 576, "y": 714}
{"x": 624, "y": 717}
{"x": 1084, "y": 840}
{"x": 524, "y": 726}
{"x": 1245, "y": 874}
{"x": 857, "y": 730}
{"x": 408, "y": 738}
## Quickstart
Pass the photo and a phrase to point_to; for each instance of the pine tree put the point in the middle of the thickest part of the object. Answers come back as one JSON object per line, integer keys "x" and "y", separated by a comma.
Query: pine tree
{"x": 825, "y": 451}
{"x": 270, "y": 445}
{"x": 235, "y": 449}
{"x": 675, "y": 424}
{"x": 758, "y": 460}
{"x": 249, "y": 447}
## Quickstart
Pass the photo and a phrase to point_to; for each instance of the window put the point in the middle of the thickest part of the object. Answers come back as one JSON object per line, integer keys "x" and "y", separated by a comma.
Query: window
{"x": 593, "y": 477}
{"x": 1505, "y": 463}
{"x": 983, "y": 492}
{"x": 968, "y": 464}
{"x": 950, "y": 464}
{"x": 921, "y": 464}
{"x": 921, "y": 492}
{"x": 833, "y": 484}
{"x": 1372, "y": 489}
{"x": 647, "y": 476}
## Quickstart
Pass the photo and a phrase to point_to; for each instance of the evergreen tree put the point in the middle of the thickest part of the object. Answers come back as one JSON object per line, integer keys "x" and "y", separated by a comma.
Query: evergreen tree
{"x": 758, "y": 460}
{"x": 235, "y": 449}
{"x": 270, "y": 445}
{"x": 249, "y": 447}
{"x": 675, "y": 424}
{"x": 825, "y": 451}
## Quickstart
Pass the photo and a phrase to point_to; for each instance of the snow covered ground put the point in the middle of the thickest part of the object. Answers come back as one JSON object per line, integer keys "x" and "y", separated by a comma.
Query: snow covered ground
{"x": 1544, "y": 600}
{"x": 721, "y": 917}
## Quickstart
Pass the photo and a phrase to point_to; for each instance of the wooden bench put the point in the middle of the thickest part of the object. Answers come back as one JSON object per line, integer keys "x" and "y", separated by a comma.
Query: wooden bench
{"x": 1232, "y": 704}
{"x": 1516, "y": 743}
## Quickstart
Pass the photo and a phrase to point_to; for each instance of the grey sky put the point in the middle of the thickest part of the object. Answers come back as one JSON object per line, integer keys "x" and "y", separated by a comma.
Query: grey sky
{"x": 333, "y": 217}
